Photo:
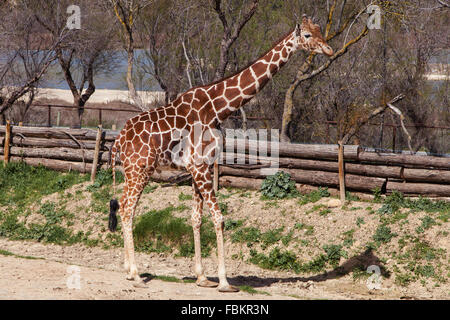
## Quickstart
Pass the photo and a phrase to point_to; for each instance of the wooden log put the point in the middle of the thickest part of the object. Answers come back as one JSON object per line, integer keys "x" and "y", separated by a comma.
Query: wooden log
{"x": 423, "y": 175}
{"x": 255, "y": 184}
{"x": 419, "y": 188}
{"x": 96, "y": 152}
{"x": 319, "y": 178}
{"x": 406, "y": 160}
{"x": 59, "y": 133}
{"x": 298, "y": 150}
{"x": 240, "y": 182}
{"x": 380, "y": 171}
{"x": 68, "y": 154}
{"x": 341, "y": 173}
{"x": 18, "y": 140}
{"x": 58, "y": 165}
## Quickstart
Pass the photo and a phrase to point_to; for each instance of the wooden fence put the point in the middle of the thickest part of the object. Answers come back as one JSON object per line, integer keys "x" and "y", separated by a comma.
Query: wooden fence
{"x": 86, "y": 150}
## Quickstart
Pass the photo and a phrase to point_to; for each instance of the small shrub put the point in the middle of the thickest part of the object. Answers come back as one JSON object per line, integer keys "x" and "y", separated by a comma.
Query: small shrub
{"x": 272, "y": 236}
{"x": 383, "y": 234}
{"x": 278, "y": 186}
{"x": 233, "y": 224}
{"x": 334, "y": 253}
{"x": 250, "y": 235}
{"x": 276, "y": 260}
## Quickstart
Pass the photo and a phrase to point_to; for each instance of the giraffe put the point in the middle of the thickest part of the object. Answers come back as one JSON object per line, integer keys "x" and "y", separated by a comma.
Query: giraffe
{"x": 152, "y": 140}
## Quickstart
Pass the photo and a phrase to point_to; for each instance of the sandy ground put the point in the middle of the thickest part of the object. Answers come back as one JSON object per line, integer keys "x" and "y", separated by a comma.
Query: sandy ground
{"x": 101, "y": 277}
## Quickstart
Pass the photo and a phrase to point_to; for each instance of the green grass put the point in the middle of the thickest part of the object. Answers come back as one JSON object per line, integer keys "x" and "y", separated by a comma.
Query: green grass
{"x": 286, "y": 260}
{"x": 232, "y": 224}
{"x": 184, "y": 197}
{"x": 313, "y": 196}
{"x": 149, "y": 188}
{"x": 309, "y": 230}
{"x": 21, "y": 184}
{"x": 395, "y": 201}
{"x": 8, "y": 253}
{"x": 250, "y": 235}
{"x": 383, "y": 234}
{"x": 251, "y": 290}
{"x": 160, "y": 231}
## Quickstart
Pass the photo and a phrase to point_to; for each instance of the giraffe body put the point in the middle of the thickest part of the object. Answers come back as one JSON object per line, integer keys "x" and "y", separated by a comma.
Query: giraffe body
{"x": 184, "y": 134}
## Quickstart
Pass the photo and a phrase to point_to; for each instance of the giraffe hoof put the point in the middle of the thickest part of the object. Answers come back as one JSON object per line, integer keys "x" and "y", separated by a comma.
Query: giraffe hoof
{"x": 228, "y": 288}
{"x": 140, "y": 284}
{"x": 206, "y": 283}
{"x": 132, "y": 277}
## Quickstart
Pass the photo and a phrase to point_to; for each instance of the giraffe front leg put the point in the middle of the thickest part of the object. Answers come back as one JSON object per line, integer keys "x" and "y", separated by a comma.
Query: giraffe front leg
{"x": 203, "y": 180}
{"x": 196, "y": 218}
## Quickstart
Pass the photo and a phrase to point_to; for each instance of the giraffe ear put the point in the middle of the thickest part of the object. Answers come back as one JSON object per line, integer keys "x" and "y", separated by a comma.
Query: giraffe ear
{"x": 304, "y": 19}
{"x": 298, "y": 30}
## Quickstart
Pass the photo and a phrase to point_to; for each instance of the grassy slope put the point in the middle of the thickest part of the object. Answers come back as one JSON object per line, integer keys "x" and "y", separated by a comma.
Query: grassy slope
{"x": 407, "y": 237}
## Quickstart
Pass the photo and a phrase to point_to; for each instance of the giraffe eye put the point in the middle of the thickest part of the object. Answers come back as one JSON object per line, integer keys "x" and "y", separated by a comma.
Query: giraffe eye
{"x": 307, "y": 36}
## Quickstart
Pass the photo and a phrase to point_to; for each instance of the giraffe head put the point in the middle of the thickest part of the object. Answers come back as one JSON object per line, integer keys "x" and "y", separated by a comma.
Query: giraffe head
{"x": 309, "y": 37}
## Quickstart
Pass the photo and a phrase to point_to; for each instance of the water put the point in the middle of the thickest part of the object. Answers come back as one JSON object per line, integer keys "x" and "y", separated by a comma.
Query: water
{"x": 114, "y": 79}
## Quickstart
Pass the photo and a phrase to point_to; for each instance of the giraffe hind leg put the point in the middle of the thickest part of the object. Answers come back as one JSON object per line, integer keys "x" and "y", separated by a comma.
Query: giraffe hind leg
{"x": 130, "y": 199}
{"x": 196, "y": 219}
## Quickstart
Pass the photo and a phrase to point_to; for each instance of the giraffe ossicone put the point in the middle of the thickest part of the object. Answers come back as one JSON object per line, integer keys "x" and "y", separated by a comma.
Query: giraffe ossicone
{"x": 184, "y": 133}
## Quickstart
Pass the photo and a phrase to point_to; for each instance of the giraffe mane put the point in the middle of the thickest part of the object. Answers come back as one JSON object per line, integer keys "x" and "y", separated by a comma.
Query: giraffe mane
{"x": 274, "y": 44}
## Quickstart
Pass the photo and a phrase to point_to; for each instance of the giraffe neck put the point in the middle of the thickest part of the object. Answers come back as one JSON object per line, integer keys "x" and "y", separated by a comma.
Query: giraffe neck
{"x": 242, "y": 87}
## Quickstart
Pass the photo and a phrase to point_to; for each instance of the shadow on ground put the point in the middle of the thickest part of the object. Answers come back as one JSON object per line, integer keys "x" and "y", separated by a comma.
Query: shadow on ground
{"x": 362, "y": 261}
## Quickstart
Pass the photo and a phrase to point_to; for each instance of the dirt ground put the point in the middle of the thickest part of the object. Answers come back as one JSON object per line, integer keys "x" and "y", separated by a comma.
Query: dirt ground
{"x": 102, "y": 278}
{"x": 36, "y": 270}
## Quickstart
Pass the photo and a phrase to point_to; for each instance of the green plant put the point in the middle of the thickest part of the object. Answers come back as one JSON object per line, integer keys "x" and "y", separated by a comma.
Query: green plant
{"x": 278, "y": 186}
{"x": 232, "y": 224}
{"x": 250, "y": 235}
{"x": 277, "y": 259}
{"x": 359, "y": 221}
{"x": 334, "y": 253}
{"x": 103, "y": 178}
{"x": 351, "y": 197}
{"x": 183, "y": 197}
{"x": 324, "y": 212}
{"x": 383, "y": 234}
{"x": 348, "y": 238}
{"x": 149, "y": 188}
{"x": 272, "y": 236}
{"x": 313, "y": 196}
{"x": 301, "y": 226}
{"x": 377, "y": 194}
{"x": 223, "y": 206}
{"x": 157, "y": 229}
{"x": 21, "y": 184}
{"x": 403, "y": 279}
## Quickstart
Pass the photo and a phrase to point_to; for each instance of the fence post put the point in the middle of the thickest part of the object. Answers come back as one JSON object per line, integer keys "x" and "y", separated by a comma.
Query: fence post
{"x": 394, "y": 134}
{"x": 6, "y": 143}
{"x": 341, "y": 172}
{"x": 96, "y": 152}
{"x": 49, "y": 116}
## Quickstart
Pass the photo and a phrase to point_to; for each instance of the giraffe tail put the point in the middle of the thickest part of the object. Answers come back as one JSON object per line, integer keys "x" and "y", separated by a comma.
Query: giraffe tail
{"x": 113, "y": 204}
